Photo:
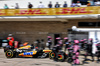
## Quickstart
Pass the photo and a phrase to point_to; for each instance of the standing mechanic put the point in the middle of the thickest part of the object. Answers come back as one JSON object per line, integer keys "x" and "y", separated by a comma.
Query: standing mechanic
{"x": 42, "y": 44}
{"x": 88, "y": 49}
{"x": 10, "y": 39}
{"x": 98, "y": 51}
{"x": 49, "y": 39}
{"x": 37, "y": 43}
{"x": 66, "y": 43}
{"x": 59, "y": 42}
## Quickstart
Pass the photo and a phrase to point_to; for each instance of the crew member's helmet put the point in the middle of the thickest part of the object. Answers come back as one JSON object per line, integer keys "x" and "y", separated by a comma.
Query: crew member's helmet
{"x": 90, "y": 39}
{"x": 36, "y": 48}
{"x": 84, "y": 39}
{"x": 81, "y": 40}
{"x": 10, "y": 35}
{"x": 58, "y": 38}
{"x": 76, "y": 41}
{"x": 49, "y": 36}
{"x": 65, "y": 37}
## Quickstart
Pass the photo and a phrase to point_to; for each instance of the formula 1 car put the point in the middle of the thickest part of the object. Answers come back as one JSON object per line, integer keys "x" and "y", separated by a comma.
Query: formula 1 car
{"x": 26, "y": 51}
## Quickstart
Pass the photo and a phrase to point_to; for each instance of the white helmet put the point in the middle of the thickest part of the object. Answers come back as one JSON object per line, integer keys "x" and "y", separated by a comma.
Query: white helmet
{"x": 10, "y": 35}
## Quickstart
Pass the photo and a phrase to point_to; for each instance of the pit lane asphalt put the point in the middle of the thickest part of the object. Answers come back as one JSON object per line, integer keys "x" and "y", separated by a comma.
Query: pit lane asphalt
{"x": 37, "y": 61}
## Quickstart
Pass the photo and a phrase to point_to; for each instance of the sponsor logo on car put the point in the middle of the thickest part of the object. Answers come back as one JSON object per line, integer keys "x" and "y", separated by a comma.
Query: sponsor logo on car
{"x": 28, "y": 53}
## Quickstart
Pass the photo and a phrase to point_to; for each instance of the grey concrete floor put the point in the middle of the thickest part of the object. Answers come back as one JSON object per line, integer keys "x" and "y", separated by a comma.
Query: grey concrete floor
{"x": 37, "y": 62}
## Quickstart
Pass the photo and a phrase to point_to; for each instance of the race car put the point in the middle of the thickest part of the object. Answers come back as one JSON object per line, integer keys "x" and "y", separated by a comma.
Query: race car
{"x": 26, "y": 51}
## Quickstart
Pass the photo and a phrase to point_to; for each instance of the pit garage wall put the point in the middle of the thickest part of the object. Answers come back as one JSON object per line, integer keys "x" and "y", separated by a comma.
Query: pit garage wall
{"x": 30, "y": 31}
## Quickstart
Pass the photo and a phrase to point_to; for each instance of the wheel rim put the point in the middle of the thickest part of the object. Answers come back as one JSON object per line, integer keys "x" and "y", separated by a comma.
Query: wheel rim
{"x": 52, "y": 55}
{"x": 9, "y": 54}
{"x": 60, "y": 57}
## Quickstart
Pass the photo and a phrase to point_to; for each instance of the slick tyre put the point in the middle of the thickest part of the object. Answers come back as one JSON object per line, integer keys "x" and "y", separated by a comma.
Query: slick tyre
{"x": 61, "y": 57}
{"x": 52, "y": 55}
{"x": 9, "y": 54}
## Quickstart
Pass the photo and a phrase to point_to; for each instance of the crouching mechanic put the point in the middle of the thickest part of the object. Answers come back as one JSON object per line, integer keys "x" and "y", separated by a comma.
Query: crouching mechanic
{"x": 10, "y": 39}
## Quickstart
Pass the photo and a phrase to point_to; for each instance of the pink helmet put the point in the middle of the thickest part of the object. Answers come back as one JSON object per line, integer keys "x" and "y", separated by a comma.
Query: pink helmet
{"x": 81, "y": 40}
{"x": 65, "y": 37}
{"x": 49, "y": 36}
{"x": 84, "y": 39}
{"x": 58, "y": 38}
{"x": 90, "y": 39}
{"x": 76, "y": 41}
